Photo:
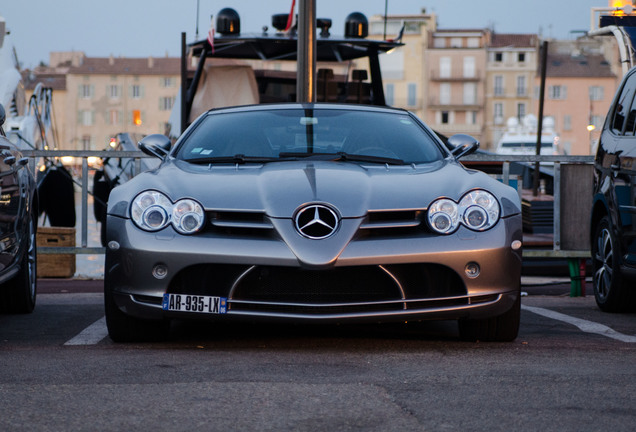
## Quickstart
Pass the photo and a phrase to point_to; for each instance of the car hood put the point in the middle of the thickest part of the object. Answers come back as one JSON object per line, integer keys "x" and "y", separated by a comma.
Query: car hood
{"x": 278, "y": 189}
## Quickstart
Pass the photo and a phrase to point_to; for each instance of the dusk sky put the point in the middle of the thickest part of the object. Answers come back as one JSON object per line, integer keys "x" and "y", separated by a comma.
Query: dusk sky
{"x": 140, "y": 28}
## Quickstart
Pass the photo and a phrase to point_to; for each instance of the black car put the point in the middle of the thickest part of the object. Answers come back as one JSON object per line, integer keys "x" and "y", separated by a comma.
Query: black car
{"x": 18, "y": 226}
{"x": 613, "y": 224}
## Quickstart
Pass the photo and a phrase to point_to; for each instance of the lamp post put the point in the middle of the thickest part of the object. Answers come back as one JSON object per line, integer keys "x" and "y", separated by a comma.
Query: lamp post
{"x": 590, "y": 124}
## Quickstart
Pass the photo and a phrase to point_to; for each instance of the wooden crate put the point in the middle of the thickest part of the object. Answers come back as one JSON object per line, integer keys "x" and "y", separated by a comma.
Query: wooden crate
{"x": 56, "y": 265}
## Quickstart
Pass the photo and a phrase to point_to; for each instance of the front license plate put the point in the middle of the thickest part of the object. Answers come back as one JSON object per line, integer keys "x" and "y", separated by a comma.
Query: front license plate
{"x": 194, "y": 303}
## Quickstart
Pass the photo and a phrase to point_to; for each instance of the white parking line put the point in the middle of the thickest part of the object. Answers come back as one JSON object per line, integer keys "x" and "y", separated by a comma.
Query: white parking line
{"x": 584, "y": 325}
{"x": 92, "y": 334}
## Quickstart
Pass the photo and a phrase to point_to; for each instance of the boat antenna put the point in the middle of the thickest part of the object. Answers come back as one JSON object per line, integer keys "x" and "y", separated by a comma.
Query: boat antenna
{"x": 386, "y": 9}
{"x": 196, "y": 31}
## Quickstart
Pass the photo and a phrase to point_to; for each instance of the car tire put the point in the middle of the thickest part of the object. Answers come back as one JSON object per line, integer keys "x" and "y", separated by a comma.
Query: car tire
{"x": 502, "y": 328}
{"x": 18, "y": 294}
{"x": 124, "y": 328}
{"x": 610, "y": 290}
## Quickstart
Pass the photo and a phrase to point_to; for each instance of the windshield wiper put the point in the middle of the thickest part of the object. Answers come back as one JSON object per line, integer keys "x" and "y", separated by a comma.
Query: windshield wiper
{"x": 237, "y": 158}
{"x": 342, "y": 156}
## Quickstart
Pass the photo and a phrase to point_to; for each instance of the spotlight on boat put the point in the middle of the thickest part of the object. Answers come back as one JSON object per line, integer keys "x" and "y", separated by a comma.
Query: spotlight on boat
{"x": 324, "y": 24}
{"x": 356, "y": 26}
{"x": 228, "y": 22}
{"x": 279, "y": 21}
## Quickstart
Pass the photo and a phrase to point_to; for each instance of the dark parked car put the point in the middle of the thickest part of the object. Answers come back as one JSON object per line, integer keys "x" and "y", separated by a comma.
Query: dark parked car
{"x": 18, "y": 226}
{"x": 613, "y": 233}
{"x": 315, "y": 213}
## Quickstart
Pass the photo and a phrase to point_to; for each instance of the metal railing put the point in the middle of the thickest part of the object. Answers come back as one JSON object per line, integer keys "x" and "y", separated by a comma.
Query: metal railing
{"x": 557, "y": 162}
{"x": 505, "y": 160}
{"x": 83, "y": 249}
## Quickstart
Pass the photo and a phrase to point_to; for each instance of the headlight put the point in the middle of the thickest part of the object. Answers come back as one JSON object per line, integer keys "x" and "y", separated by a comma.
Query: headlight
{"x": 153, "y": 211}
{"x": 150, "y": 210}
{"x": 187, "y": 216}
{"x": 477, "y": 210}
{"x": 442, "y": 216}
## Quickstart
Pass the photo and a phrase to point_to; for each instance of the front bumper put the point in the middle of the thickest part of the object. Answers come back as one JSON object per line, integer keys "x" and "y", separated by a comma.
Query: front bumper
{"x": 372, "y": 279}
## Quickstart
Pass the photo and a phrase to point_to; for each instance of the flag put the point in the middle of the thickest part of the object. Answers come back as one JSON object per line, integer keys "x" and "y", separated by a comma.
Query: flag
{"x": 291, "y": 19}
{"x": 211, "y": 36}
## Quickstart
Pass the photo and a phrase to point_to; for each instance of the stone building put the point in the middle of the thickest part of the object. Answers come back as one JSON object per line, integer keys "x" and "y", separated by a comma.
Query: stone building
{"x": 97, "y": 98}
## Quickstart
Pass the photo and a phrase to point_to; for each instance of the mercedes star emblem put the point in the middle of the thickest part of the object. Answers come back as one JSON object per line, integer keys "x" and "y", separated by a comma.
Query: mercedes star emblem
{"x": 316, "y": 221}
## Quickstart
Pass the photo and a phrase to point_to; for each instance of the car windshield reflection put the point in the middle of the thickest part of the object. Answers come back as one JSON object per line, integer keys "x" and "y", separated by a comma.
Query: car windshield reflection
{"x": 319, "y": 134}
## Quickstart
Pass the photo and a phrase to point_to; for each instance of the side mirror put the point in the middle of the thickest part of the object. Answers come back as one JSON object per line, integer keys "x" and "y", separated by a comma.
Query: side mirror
{"x": 462, "y": 145}
{"x": 156, "y": 145}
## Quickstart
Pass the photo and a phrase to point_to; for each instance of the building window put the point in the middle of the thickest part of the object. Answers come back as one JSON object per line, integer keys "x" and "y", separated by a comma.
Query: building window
{"x": 114, "y": 91}
{"x": 596, "y": 93}
{"x": 498, "y": 57}
{"x": 567, "y": 122}
{"x": 390, "y": 94}
{"x": 168, "y": 82}
{"x": 445, "y": 117}
{"x": 114, "y": 117}
{"x": 86, "y": 91}
{"x": 498, "y": 113}
{"x": 522, "y": 89}
{"x": 136, "y": 118}
{"x": 557, "y": 92}
{"x": 521, "y": 111}
{"x": 521, "y": 57}
{"x": 165, "y": 103}
{"x": 499, "y": 85}
{"x": 469, "y": 67}
{"x": 136, "y": 91}
{"x": 472, "y": 42}
{"x": 471, "y": 117}
{"x": 445, "y": 67}
{"x": 86, "y": 118}
{"x": 412, "y": 94}
{"x": 444, "y": 94}
{"x": 439, "y": 42}
{"x": 85, "y": 142}
{"x": 470, "y": 93}
{"x": 456, "y": 42}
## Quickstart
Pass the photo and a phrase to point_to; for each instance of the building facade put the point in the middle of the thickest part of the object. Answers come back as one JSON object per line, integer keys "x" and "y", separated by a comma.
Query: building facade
{"x": 105, "y": 96}
{"x": 580, "y": 84}
{"x": 510, "y": 73}
{"x": 456, "y": 76}
{"x": 403, "y": 70}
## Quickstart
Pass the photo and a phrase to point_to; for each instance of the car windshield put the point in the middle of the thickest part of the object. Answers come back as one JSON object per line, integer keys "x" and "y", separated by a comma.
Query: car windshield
{"x": 271, "y": 135}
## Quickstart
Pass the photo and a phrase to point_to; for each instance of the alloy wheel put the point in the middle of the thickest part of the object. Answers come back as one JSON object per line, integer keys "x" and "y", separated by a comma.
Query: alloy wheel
{"x": 603, "y": 258}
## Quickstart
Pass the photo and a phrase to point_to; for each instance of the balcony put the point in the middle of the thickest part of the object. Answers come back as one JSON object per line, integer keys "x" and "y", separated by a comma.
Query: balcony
{"x": 436, "y": 75}
{"x": 456, "y": 103}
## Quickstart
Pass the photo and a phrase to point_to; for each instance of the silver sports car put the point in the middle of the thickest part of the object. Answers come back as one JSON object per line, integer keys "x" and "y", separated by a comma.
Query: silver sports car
{"x": 316, "y": 213}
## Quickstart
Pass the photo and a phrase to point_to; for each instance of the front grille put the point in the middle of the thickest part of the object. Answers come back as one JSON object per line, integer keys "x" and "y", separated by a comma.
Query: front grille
{"x": 394, "y": 223}
{"x": 346, "y": 290}
{"x": 340, "y": 285}
{"x": 209, "y": 280}
{"x": 254, "y": 224}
